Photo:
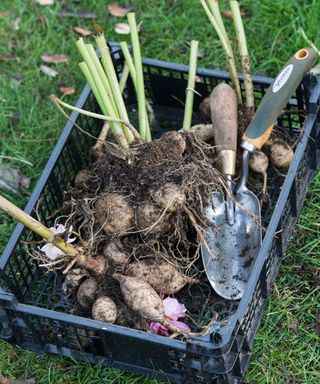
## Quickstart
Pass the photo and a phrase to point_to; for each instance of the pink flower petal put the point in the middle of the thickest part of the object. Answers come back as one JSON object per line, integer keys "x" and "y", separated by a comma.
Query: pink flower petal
{"x": 158, "y": 328}
{"x": 173, "y": 309}
{"x": 51, "y": 251}
{"x": 57, "y": 229}
{"x": 180, "y": 325}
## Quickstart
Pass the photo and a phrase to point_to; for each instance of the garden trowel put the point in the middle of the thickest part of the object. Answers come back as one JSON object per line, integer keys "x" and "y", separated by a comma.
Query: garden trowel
{"x": 231, "y": 246}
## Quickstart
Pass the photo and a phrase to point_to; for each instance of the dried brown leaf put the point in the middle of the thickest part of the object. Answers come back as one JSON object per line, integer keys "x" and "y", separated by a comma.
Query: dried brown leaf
{"x": 8, "y": 57}
{"x": 44, "y": 2}
{"x": 200, "y": 53}
{"x": 228, "y": 14}
{"x": 55, "y": 59}
{"x": 15, "y": 26}
{"x": 98, "y": 27}
{"x": 48, "y": 71}
{"x": 67, "y": 90}
{"x": 116, "y": 10}
{"x": 4, "y": 14}
{"x": 81, "y": 13}
{"x": 82, "y": 31}
{"x": 122, "y": 28}
{"x": 15, "y": 119}
{"x": 4, "y": 380}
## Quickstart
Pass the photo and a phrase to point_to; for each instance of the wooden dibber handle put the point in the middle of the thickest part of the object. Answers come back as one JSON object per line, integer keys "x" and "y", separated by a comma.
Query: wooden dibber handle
{"x": 276, "y": 98}
{"x": 224, "y": 114}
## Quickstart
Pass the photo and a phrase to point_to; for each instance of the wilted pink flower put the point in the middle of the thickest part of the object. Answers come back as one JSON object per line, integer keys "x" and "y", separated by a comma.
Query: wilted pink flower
{"x": 49, "y": 249}
{"x": 173, "y": 310}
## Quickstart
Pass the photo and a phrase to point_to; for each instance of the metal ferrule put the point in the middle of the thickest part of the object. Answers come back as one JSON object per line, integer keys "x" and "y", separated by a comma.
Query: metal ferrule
{"x": 248, "y": 146}
{"x": 228, "y": 162}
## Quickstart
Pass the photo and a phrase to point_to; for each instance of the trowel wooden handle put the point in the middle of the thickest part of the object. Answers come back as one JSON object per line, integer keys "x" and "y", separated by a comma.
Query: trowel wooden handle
{"x": 224, "y": 114}
{"x": 276, "y": 98}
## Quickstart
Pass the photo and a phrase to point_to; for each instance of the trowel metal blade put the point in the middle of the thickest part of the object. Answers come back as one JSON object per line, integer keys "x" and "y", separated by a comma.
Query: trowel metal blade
{"x": 233, "y": 248}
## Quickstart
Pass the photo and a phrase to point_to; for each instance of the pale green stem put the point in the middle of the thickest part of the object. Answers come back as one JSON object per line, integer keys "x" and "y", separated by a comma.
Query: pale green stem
{"x": 58, "y": 102}
{"x": 116, "y": 129}
{"x": 312, "y": 45}
{"x": 104, "y": 97}
{"x": 103, "y": 78}
{"x": 191, "y": 85}
{"x": 142, "y": 110}
{"x": 227, "y": 49}
{"x": 85, "y": 70}
{"x": 129, "y": 62}
{"x": 215, "y": 11}
{"x": 36, "y": 227}
{"x": 124, "y": 77}
{"x": 244, "y": 55}
{"x": 113, "y": 81}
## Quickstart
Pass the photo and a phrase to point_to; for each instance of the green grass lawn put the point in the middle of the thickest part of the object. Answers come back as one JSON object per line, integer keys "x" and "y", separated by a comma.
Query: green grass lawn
{"x": 286, "y": 349}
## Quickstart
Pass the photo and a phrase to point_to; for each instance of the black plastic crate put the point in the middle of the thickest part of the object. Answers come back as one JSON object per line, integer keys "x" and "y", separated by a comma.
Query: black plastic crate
{"x": 34, "y": 313}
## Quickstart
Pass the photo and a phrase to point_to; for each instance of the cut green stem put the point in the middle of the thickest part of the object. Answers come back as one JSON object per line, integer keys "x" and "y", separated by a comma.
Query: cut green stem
{"x": 113, "y": 81}
{"x": 129, "y": 62}
{"x": 116, "y": 129}
{"x": 105, "y": 95}
{"x": 57, "y": 102}
{"x": 216, "y": 21}
{"x": 191, "y": 86}
{"x": 124, "y": 77}
{"x": 108, "y": 96}
{"x": 142, "y": 110}
{"x": 244, "y": 55}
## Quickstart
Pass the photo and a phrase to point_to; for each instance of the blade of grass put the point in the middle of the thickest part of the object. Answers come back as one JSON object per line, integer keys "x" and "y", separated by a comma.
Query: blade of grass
{"x": 191, "y": 85}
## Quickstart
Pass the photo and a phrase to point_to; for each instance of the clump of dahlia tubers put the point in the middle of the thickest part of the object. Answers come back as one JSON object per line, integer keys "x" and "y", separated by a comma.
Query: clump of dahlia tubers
{"x": 259, "y": 162}
{"x": 169, "y": 196}
{"x": 87, "y": 292}
{"x": 114, "y": 213}
{"x": 281, "y": 154}
{"x": 163, "y": 277}
{"x": 104, "y": 309}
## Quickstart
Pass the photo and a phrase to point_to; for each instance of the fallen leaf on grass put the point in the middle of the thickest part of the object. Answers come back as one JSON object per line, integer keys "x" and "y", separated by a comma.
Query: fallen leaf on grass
{"x": 45, "y": 2}
{"x": 15, "y": 119}
{"x": 116, "y": 10}
{"x": 16, "y": 80}
{"x": 7, "y": 57}
{"x": 98, "y": 27}
{"x": 11, "y": 180}
{"x": 67, "y": 90}
{"x": 200, "y": 53}
{"x": 55, "y": 59}
{"x": 4, "y": 14}
{"x": 122, "y": 28}
{"x": 48, "y": 71}
{"x": 40, "y": 17}
{"x": 81, "y": 13}
{"x": 82, "y": 31}
{"x": 15, "y": 26}
{"x": 4, "y": 380}
{"x": 228, "y": 14}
